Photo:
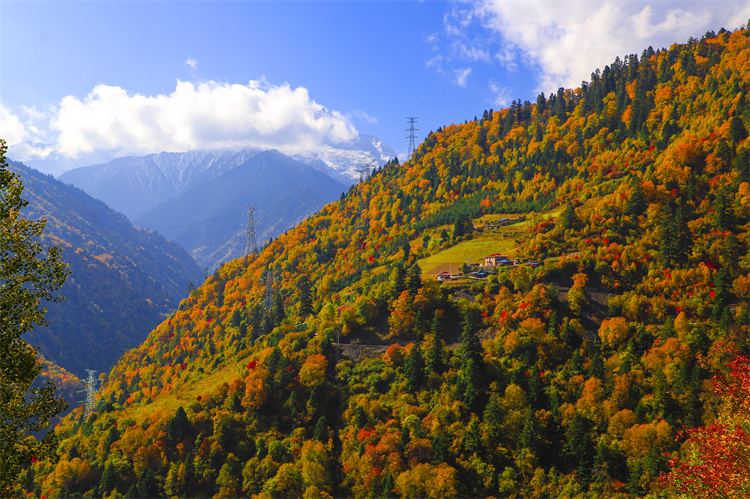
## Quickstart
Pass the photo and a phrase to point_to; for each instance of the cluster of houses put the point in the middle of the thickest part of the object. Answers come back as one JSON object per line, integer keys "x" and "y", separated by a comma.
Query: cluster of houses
{"x": 491, "y": 263}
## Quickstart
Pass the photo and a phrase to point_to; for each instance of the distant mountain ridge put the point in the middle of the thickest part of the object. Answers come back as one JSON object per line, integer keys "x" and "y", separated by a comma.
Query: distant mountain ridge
{"x": 166, "y": 190}
{"x": 123, "y": 279}
{"x": 284, "y": 191}
{"x": 135, "y": 184}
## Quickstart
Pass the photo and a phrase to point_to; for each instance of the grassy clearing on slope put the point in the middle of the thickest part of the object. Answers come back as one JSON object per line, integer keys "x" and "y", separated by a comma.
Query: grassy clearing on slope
{"x": 497, "y": 240}
{"x": 187, "y": 392}
{"x": 474, "y": 250}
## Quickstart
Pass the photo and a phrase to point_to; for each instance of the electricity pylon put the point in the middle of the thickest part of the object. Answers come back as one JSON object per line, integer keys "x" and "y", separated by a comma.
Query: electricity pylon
{"x": 251, "y": 245}
{"x": 412, "y": 135}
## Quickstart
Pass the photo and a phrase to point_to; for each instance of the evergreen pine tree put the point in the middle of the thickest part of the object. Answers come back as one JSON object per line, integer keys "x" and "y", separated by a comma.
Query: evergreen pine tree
{"x": 434, "y": 358}
{"x": 236, "y": 318}
{"x": 471, "y": 348}
{"x": 321, "y": 430}
{"x": 305, "y": 297}
{"x": 536, "y": 389}
{"x": 415, "y": 279}
{"x": 108, "y": 480}
{"x": 722, "y": 282}
{"x": 414, "y": 369}
{"x": 472, "y": 361}
{"x": 459, "y": 227}
{"x": 387, "y": 486}
{"x": 530, "y": 433}
{"x": 725, "y": 211}
{"x": 399, "y": 280}
{"x": 569, "y": 218}
{"x": 579, "y": 447}
{"x": 553, "y": 324}
{"x": 279, "y": 314}
{"x": 737, "y": 130}
{"x": 179, "y": 427}
{"x": 637, "y": 201}
{"x": 675, "y": 236}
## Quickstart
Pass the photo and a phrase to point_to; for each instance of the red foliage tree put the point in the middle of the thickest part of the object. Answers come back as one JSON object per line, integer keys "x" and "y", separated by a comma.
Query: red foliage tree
{"x": 717, "y": 460}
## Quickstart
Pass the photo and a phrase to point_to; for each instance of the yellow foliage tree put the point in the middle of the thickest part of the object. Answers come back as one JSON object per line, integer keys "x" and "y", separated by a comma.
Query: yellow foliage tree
{"x": 313, "y": 370}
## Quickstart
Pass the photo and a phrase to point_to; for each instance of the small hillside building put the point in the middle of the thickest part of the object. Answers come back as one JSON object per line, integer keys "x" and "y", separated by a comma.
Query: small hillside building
{"x": 494, "y": 260}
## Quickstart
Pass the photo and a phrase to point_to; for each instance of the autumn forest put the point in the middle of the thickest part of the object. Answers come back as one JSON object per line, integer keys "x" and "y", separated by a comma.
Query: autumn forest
{"x": 332, "y": 363}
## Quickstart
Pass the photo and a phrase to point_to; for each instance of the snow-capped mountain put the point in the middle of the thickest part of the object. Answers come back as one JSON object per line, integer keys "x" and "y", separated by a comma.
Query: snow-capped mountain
{"x": 134, "y": 184}
{"x": 346, "y": 161}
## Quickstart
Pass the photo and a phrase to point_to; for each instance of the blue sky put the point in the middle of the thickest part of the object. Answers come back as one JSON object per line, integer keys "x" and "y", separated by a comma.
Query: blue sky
{"x": 77, "y": 78}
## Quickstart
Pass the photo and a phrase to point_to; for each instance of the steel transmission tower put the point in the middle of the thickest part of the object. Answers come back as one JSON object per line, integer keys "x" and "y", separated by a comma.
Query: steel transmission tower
{"x": 90, "y": 393}
{"x": 411, "y": 121}
{"x": 251, "y": 246}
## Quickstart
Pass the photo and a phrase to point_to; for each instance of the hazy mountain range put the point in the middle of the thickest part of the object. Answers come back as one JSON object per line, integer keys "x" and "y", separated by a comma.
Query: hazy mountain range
{"x": 123, "y": 279}
{"x": 184, "y": 195}
{"x": 134, "y": 184}
{"x": 209, "y": 218}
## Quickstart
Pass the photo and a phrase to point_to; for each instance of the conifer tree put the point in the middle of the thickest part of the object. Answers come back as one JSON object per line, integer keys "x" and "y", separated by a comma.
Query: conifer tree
{"x": 636, "y": 202}
{"x": 536, "y": 388}
{"x": 321, "y": 430}
{"x": 434, "y": 356}
{"x": 179, "y": 427}
{"x": 459, "y": 227}
{"x": 414, "y": 369}
{"x": 305, "y": 297}
{"x": 399, "y": 280}
{"x": 674, "y": 238}
{"x": 569, "y": 218}
{"x": 415, "y": 279}
{"x": 530, "y": 433}
{"x": 579, "y": 447}
{"x": 279, "y": 314}
{"x": 108, "y": 480}
{"x": 472, "y": 361}
{"x": 725, "y": 210}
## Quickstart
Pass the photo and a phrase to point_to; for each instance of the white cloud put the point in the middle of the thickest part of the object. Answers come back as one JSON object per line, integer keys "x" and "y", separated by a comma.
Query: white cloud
{"x": 207, "y": 115}
{"x": 567, "y": 40}
{"x": 502, "y": 95}
{"x": 11, "y": 127}
{"x": 361, "y": 115}
{"x": 193, "y": 63}
{"x": 462, "y": 75}
{"x": 457, "y": 46}
{"x": 473, "y": 53}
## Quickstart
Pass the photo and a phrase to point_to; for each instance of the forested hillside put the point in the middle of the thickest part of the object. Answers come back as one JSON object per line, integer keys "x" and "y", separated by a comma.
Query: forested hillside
{"x": 569, "y": 378}
{"x": 123, "y": 279}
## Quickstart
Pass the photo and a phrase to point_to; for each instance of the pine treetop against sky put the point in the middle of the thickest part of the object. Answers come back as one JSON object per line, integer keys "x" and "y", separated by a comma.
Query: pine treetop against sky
{"x": 144, "y": 77}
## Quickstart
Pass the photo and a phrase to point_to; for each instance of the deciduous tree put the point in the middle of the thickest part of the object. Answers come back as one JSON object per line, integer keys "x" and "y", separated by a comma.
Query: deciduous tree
{"x": 29, "y": 275}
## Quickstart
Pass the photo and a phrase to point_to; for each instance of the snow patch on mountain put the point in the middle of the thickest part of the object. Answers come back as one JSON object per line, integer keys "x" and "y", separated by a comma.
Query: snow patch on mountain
{"x": 347, "y": 161}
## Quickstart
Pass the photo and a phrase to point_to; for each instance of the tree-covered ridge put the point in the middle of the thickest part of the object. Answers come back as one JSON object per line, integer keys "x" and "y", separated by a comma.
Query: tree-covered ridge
{"x": 123, "y": 279}
{"x": 568, "y": 379}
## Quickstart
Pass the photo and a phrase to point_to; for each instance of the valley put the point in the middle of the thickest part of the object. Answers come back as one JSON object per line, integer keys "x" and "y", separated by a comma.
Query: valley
{"x": 332, "y": 363}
